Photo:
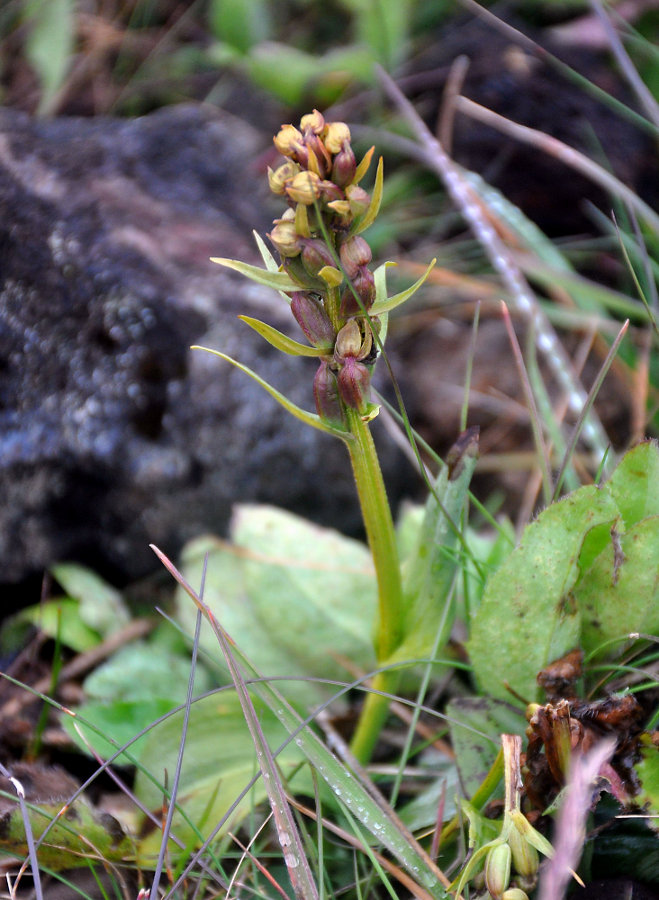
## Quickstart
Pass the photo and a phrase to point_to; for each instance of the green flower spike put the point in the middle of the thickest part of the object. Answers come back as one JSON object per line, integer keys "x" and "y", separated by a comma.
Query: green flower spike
{"x": 324, "y": 274}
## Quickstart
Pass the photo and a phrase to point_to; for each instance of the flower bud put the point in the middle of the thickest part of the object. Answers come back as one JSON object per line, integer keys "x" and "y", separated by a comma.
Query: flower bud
{"x": 314, "y": 122}
{"x": 285, "y": 238}
{"x": 313, "y": 320}
{"x": 326, "y": 395}
{"x": 514, "y": 894}
{"x": 330, "y": 192}
{"x": 335, "y": 136}
{"x": 344, "y": 166}
{"x": 497, "y": 870}
{"x": 348, "y": 341}
{"x": 363, "y": 284}
{"x": 354, "y": 254}
{"x": 315, "y": 255}
{"x": 304, "y": 188}
{"x": 524, "y": 854}
{"x": 342, "y": 209}
{"x": 359, "y": 200}
{"x": 288, "y": 141}
{"x": 284, "y": 173}
{"x": 355, "y": 384}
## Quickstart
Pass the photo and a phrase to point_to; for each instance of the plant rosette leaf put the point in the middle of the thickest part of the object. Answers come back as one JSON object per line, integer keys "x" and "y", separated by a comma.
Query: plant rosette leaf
{"x": 293, "y": 596}
{"x": 218, "y": 764}
{"x": 101, "y": 606}
{"x": 528, "y": 616}
{"x": 619, "y": 593}
{"x": 543, "y": 601}
{"x": 648, "y": 773}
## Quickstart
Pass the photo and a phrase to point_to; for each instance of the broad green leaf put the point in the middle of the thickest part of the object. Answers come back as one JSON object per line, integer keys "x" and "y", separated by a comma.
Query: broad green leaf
{"x": 101, "y": 606}
{"x": 120, "y": 721}
{"x": 392, "y": 302}
{"x": 430, "y": 569}
{"x": 277, "y": 280}
{"x": 240, "y": 23}
{"x": 61, "y": 618}
{"x": 528, "y": 616}
{"x": 293, "y": 596}
{"x": 476, "y": 725}
{"x": 49, "y": 44}
{"x": 282, "y": 341}
{"x": 311, "y": 587}
{"x": 308, "y": 418}
{"x": 291, "y": 74}
{"x": 635, "y": 483}
{"x": 619, "y": 593}
{"x": 143, "y": 671}
{"x": 218, "y": 764}
{"x": 648, "y": 773}
{"x": 371, "y": 213}
{"x": 79, "y": 835}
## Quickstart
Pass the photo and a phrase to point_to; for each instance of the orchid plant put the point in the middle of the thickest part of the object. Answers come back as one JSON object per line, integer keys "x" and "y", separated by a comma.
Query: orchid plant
{"x": 341, "y": 306}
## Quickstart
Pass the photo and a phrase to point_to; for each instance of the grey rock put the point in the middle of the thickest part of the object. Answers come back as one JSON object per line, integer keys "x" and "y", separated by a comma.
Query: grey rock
{"x": 113, "y": 433}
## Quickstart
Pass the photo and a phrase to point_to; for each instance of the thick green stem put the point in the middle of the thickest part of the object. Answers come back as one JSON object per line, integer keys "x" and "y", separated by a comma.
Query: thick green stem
{"x": 382, "y": 541}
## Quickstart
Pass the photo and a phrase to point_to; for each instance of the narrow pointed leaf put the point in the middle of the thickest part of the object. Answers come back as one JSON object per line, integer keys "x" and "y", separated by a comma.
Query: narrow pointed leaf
{"x": 374, "y": 207}
{"x": 380, "y": 279}
{"x": 282, "y": 341}
{"x": 277, "y": 280}
{"x": 268, "y": 259}
{"x": 392, "y": 302}
{"x": 362, "y": 168}
{"x": 290, "y": 841}
{"x": 301, "y": 414}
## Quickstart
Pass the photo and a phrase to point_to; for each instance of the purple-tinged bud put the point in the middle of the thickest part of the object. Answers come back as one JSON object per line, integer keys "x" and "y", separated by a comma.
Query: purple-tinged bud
{"x": 316, "y": 255}
{"x": 285, "y": 238}
{"x": 288, "y": 141}
{"x": 304, "y": 188}
{"x": 344, "y": 166}
{"x": 355, "y": 384}
{"x": 326, "y": 395}
{"x": 363, "y": 284}
{"x": 354, "y": 254}
{"x": 330, "y": 192}
{"x": 348, "y": 341}
{"x": 313, "y": 320}
{"x": 358, "y": 199}
{"x": 281, "y": 176}
{"x": 335, "y": 136}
